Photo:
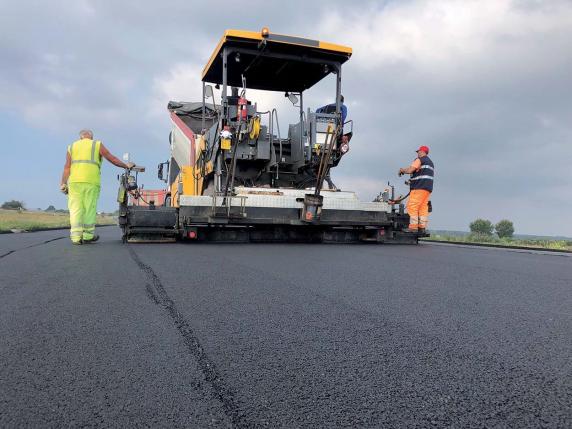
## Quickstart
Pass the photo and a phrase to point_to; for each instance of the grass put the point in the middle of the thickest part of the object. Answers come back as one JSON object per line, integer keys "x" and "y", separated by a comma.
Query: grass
{"x": 29, "y": 221}
{"x": 482, "y": 239}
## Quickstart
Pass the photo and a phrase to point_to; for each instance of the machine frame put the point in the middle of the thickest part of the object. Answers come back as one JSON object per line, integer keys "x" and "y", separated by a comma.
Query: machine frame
{"x": 270, "y": 62}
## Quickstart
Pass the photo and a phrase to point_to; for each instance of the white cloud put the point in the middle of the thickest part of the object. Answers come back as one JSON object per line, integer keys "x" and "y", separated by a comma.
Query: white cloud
{"x": 446, "y": 38}
{"x": 182, "y": 82}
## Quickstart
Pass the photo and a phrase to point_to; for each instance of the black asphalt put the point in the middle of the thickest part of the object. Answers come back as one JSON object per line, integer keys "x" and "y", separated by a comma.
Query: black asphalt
{"x": 281, "y": 335}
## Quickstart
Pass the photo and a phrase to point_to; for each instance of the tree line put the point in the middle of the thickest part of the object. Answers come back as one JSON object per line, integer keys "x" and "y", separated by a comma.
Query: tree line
{"x": 13, "y": 205}
{"x": 19, "y": 205}
{"x": 484, "y": 227}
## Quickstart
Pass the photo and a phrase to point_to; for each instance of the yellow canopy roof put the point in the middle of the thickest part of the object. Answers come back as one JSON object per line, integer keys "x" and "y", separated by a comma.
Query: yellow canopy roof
{"x": 273, "y": 62}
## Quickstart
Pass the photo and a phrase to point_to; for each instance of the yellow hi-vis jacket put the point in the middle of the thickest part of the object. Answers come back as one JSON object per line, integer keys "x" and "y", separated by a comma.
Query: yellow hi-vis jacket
{"x": 85, "y": 161}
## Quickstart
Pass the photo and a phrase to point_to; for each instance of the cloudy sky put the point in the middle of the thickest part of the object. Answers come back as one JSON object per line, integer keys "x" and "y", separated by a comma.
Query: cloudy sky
{"x": 486, "y": 84}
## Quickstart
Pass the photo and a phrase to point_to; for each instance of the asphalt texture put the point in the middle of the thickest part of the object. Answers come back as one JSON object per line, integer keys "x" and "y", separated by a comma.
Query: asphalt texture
{"x": 281, "y": 335}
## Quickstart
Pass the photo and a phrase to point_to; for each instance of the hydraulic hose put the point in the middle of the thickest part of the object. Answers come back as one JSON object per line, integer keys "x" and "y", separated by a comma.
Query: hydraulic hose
{"x": 399, "y": 200}
{"x": 274, "y": 114}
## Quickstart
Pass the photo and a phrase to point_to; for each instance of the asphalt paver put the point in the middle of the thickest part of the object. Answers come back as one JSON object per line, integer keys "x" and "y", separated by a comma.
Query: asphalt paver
{"x": 282, "y": 335}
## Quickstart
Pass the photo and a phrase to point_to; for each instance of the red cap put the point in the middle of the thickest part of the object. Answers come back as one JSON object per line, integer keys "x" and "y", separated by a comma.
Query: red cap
{"x": 424, "y": 149}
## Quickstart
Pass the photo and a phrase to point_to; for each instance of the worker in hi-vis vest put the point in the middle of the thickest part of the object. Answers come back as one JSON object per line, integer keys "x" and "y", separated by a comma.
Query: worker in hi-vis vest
{"x": 81, "y": 183}
{"x": 422, "y": 173}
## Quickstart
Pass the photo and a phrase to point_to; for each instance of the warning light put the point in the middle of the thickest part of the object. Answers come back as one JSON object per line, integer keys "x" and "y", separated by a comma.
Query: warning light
{"x": 192, "y": 234}
{"x": 265, "y": 32}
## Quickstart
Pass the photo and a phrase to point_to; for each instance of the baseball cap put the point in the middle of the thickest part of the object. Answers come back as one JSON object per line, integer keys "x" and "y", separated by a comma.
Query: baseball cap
{"x": 424, "y": 149}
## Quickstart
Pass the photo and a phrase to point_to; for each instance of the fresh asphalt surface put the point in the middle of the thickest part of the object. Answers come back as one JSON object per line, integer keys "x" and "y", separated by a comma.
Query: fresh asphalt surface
{"x": 281, "y": 335}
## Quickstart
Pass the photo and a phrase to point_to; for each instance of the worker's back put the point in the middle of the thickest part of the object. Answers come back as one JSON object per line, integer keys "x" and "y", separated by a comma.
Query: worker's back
{"x": 423, "y": 177}
{"x": 85, "y": 161}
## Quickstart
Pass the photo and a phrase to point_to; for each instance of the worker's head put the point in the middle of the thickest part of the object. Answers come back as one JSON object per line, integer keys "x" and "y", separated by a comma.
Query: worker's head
{"x": 422, "y": 151}
{"x": 86, "y": 134}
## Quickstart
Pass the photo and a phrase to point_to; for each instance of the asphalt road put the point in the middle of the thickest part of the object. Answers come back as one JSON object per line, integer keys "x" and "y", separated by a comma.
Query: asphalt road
{"x": 187, "y": 335}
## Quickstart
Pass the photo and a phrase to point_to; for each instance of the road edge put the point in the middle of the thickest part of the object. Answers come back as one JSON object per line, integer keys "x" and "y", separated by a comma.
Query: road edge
{"x": 57, "y": 228}
{"x": 496, "y": 246}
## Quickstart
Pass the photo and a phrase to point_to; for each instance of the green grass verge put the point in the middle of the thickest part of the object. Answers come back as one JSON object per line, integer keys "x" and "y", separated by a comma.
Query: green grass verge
{"x": 29, "y": 221}
{"x": 480, "y": 239}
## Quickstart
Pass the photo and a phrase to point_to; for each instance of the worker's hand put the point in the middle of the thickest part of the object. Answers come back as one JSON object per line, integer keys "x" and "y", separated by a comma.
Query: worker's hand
{"x": 400, "y": 172}
{"x": 130, "y": 165}
{"x": 64, "y": 188}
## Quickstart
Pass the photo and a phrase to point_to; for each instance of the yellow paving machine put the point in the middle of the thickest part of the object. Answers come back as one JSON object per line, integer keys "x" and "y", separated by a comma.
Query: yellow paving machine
{"x": 234, "y": 176}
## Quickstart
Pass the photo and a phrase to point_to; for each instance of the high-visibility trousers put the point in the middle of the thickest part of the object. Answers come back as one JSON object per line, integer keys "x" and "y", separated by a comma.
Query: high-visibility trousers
{"x": 82, "y": 204}
{"x": 418, "y": 208}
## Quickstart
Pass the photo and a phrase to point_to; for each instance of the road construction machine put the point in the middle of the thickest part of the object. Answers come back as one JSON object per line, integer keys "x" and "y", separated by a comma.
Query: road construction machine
{"x": 233, "y": 176}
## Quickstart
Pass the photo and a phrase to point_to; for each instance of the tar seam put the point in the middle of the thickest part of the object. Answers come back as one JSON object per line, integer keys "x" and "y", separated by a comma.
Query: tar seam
{"x": 223, "y": 393}
{"x": 29, "y": 247}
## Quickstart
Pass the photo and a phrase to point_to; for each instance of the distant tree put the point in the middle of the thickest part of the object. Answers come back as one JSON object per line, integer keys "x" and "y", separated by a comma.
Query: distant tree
{"x": 504, "y": 229}
{"x": 13, "y": 205}
{"x": 482, "y": 227}
{"x": 51, "y": 209}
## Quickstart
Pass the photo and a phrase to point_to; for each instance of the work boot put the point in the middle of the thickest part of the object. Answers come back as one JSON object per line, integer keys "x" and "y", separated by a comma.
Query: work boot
{"x": 421, "y": 230}
{"x": 77, "y": 242}
{"x": 92, "y": 240}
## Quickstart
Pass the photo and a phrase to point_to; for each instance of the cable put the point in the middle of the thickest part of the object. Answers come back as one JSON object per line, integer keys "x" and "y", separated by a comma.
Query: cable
{"x": 138, "y": 197}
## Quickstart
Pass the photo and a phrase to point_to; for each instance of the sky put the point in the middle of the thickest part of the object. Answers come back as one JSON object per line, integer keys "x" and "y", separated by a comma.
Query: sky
{"x": 486, "y": 84}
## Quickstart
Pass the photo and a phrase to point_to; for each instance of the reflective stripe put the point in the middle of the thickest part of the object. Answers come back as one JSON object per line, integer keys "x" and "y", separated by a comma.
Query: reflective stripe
{"x": 85, "y": 162}
{"x": 84, "y": 156}
{"x": 423, "y": 177}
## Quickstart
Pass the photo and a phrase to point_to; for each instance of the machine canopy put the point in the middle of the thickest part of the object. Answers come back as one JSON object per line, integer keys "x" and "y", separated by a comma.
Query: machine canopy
{"x": 274, "y": 62}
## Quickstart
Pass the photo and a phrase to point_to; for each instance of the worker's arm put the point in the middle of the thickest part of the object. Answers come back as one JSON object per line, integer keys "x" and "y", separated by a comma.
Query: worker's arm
{"x": 412, "y": 168}
{"x": 115, "y": 161}
{"x": 66, "y": 173}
